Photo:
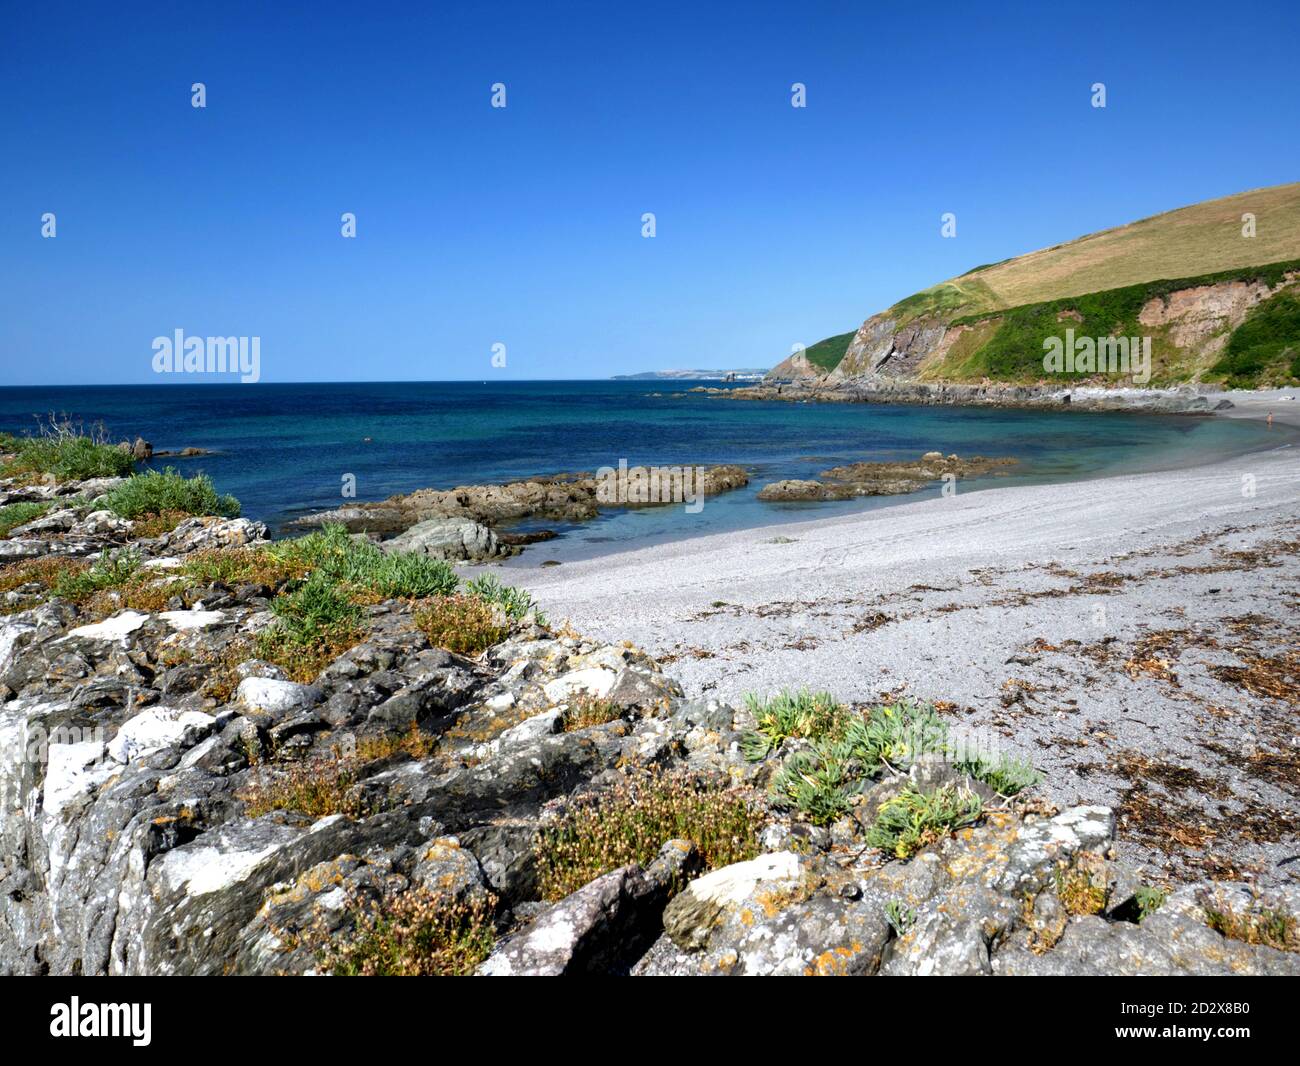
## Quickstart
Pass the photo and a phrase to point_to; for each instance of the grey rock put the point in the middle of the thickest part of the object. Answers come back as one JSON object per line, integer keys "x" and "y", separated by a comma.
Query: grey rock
{"x": 273, "y": 697}
{"x": 449, "y": 539}
{"x": 602, "y": 927}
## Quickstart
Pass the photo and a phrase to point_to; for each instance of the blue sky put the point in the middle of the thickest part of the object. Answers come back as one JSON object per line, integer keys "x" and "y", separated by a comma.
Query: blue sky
{"x": 522, "y": 225}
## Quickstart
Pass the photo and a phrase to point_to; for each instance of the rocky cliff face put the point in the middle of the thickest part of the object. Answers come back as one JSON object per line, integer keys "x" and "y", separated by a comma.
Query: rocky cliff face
{"x": 1190, "y": 328}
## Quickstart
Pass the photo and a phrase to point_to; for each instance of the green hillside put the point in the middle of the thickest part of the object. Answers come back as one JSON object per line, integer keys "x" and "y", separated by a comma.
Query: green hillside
{"x": 1098, "y": 285}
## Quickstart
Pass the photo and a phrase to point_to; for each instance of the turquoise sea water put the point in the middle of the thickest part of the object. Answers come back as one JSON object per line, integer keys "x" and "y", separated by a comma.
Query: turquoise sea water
{"x": 283, "y": 450}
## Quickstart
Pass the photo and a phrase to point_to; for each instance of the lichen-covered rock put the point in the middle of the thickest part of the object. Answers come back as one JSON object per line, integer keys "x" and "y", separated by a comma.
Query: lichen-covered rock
{"x": 202, "y": 534}
{"x": 693, "y": 914}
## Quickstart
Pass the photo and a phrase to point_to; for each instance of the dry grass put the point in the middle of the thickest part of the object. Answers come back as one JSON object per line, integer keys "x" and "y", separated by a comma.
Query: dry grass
{"x": 1082, "y": 885}
{"x": 1199, "y": 239}
{"x": 324, "y": 785}
{"x": 462, "y": 624}
{"x": 302, "y": 662}
{"x": 146, "y": 592}
{"x": 415, "y": 934}
{"x": 244, "y": 566}
{"x": 414, "y": 742}
{"x": 587, "y": 711}
{"x": 155, "y": 525}
{"x": 45, "y": 571}
{"x": 632, "y": 821}
{"x": 316, "y": 788}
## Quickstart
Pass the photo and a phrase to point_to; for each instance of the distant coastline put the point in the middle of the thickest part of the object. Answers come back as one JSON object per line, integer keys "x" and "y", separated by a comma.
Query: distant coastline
{"x": 750, "y": 374}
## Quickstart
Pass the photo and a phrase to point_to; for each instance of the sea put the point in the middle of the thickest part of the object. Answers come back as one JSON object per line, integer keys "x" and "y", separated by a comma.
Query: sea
{"x": 285, "y": 450}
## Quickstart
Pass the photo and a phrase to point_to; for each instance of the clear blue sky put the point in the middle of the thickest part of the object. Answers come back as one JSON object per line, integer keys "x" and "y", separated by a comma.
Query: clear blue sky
{"x": 523, "y": 226}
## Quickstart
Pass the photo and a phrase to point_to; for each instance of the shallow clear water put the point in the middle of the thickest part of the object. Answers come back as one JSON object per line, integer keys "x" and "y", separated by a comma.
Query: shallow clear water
{"x": 284, "y": 449}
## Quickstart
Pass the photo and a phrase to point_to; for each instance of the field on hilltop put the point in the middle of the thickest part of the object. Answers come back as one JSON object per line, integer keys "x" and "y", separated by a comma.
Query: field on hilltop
{"x": 1204, "y": 238}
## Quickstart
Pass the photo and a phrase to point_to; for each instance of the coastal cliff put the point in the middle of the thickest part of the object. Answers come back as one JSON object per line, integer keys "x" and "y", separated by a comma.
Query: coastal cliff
{"x": 1185, "y": 298}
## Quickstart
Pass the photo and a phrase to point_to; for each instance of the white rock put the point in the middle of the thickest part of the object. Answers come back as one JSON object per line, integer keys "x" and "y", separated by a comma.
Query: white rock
{"x": 11, "y": 633}
{"x": 274, "y": 696}
{"x": 529, "y": 731}
{"x": 103, "y": 522}
{"x": 200, "y": 870}
{"x": 72, "y": 771}
{"x": 155, "y": 729}
{"x": 596, "y": 681}
{"x": 736, "y": 882}
{"x": 192, "y": 619}
{"x": 119, "y": 627}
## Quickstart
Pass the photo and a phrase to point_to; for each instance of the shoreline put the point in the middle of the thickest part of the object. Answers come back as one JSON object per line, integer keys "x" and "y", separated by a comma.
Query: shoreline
{"x": 1074, "y": 621}
{"x": 1283, "y": 404}
{"x": 1186, "y": 399}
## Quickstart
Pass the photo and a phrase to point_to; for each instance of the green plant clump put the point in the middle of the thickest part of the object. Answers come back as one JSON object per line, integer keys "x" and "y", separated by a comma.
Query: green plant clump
{"x": 157, "y": 492}
{"x": 341, "y": 559}
{"x": 517, "y": 603}
{"x": 910, "y": 821}
{"x": 112, "y": 570}
{"x": 64, "y": 449}
{"x": 847, "y": 750}
{"x": 1149, "y": 899}
{"x": 899, "y": 917}
{"x": 787, "y": 715}
{"x": 19, "y": 514}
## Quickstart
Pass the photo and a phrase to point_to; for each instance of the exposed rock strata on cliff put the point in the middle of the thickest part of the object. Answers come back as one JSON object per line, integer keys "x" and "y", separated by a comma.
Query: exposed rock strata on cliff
{"x": 894, "y": 354}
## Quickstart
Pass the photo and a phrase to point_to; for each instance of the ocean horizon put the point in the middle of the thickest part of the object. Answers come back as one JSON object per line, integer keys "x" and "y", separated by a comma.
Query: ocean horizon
{"x": 289, "y": 449}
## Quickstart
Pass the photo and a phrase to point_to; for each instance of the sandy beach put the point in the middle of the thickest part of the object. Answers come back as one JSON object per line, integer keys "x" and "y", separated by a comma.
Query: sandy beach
{"x": 1136, "y": 637}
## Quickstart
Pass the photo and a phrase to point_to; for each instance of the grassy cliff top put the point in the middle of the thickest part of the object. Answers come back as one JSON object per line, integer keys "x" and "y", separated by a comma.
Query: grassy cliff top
{"x": 1204, "y": 238}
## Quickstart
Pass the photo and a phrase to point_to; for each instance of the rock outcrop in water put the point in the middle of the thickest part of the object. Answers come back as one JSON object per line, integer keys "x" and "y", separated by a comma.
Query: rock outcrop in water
{"x": 881, "y": 479}
{"x": 561, "y": 497}
{"x": 1184, "y": 400}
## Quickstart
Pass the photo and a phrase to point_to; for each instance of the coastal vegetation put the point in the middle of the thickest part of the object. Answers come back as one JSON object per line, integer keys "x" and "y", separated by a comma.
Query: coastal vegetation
{"x": 843, "y": 752}
{"x": 1014, "y": 351}
{"x": 1008, "y": 344}
{"x": 329, "y": 578}
{"x": 826, "y": 354}
{"x": 64, "y": 450}
{"x": 911, "y": 820}
{"x": 167, "y": 492}
{"x": 630, "y": 822}
{"x": 1274, "y": 927}
{"x": 416, "y": 933}
{"x": 464, "y": 624}
{"x": 1267, "y": 344}
{"x": 14, "y": 515}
